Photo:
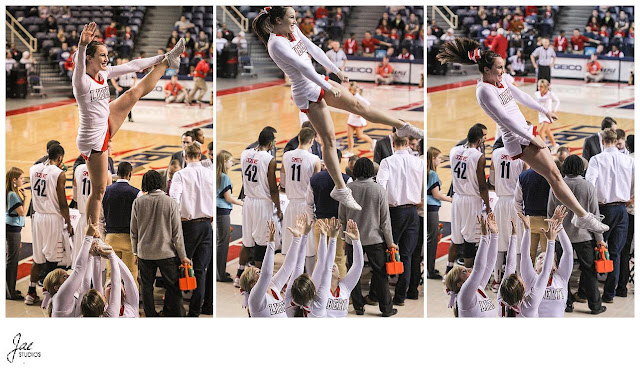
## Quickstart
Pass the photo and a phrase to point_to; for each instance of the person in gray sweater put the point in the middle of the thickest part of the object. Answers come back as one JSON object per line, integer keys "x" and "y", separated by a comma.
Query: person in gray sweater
{"x": 157, "y": 242}
{"x": 375, "y": 227}
{"x": 582, "y": 240}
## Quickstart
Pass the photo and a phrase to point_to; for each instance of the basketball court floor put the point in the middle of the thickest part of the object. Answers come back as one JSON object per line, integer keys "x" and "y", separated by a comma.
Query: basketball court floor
{"x": 245, "y": 107}
{"x": 147, "y": 143}
{"x": 452, "y": 108}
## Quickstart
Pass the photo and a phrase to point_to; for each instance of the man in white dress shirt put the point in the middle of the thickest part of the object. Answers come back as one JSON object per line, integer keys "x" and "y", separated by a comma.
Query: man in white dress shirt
{"x": 611, "y": 172}
{"x": 192, "y": 188}
{"x": 402, "y": 176}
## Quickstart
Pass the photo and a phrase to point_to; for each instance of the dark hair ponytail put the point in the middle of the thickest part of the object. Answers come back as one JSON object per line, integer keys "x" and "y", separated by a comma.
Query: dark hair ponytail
{"x": 93, "y": 47}
{"x": 268, "y": 14}
{"x": 459, "y": 51}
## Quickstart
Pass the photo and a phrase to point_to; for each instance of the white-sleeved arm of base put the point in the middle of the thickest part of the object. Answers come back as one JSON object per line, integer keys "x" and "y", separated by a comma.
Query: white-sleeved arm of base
{"x": 319, "y": 305}
{"x": 283, "y": 51}
{"x": 115, "y": 298}
{"x": 283, "y": 274}
{"x": 352, "y": 277}
{"x": 566, "y": 262}
{"x": 258, "y": 297}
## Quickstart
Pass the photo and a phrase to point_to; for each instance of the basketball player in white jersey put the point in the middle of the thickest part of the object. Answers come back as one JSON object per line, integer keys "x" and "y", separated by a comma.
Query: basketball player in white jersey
{"x": 51, "y": 213}
{"x": 298, "y": 166}
{"x": 292, "y": 51}
{"x": 81, "y": 191}
{"x": 261, "y": 194}
{"x": 503, "y": 174}
{"x": 101, "y": 118}
{"x": 470, "y": 191}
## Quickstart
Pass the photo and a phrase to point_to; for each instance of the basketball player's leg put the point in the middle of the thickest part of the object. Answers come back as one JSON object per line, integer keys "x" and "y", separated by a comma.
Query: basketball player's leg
{"x": 120, "y": 107}
{"x": 320, "y": 117}
{"x": 97, "y": 165}
{"x": 350, "y": 103}
{"x": 542, "y": 162}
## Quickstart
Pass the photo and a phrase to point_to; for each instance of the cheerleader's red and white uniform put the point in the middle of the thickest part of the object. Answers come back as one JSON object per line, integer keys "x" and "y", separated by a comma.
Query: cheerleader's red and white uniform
{"x": 554, "y": 300}
{"x": 338, "y": 302}
{"x": 291, "y": 54}
{"x": 472, "y": 299}
{"x": 499, "y": 102}
{"x": 550, "y": 102}
{"x": 93, "y": 99}
{"x": 321, "y": 278}
{"x": 265, "y": 298}
{"x": 535, "y": 286}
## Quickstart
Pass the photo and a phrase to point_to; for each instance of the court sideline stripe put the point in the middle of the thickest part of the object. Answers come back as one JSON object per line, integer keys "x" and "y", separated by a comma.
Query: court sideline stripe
{"x": 49, "y": 105}
{"x": 250, "y": 87}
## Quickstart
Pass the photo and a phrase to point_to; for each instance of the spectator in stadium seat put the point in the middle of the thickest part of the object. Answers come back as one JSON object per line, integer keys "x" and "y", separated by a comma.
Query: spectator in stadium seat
{"x": 62, "y": 56}
{"x": 322, "y": 12}
{"x": 578, "y": 40}
{"x": 448, "y": 36}
{"x": 391, "y": 52}
{"x": 516, "y": 64}
{"x": 593, "y": 144}
{"x": 385, "y": 16}
{"x": 517, "y": 25}
{"x": 174, "y": 91}
{"x": 398, "y": 23}
{"x": 170, "y": 42}
{"x": 405, "y": 55}
{"x": 560, "y": 43}
{"x": 593, "y": 70}
{"x": 350, "y": 45}
{"x": 484, "y": 31}
{"x": 221, "y": 42}
{"x": 384, "y": 28}
{"x": 183, "y": 25}
{"x": 369, "y": 44}
{"x": 228, "y": 34}
{"x": 28, "y": 61}
{"x": 608, "y": 21}
{"x": 500, "y": 44}
{"x": 414, "y": 24}
{"x": 202, "y": 44}
{"x": 615, "y": 52}
{"x": 10, "y": 62}
{"x": 111, "y": 31}
{"x": 307, "y": 27}
{"x": 241, "y": 42}
{"x": 622, "y": 23}
{"x": 51, "y": 25}
{"x": 436, "y": 30}
{"x": 384, "y": 72}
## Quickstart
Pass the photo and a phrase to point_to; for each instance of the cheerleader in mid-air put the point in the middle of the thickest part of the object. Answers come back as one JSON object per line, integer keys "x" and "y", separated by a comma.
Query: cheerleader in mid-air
{"x": 290, "y": 49}
{"x": 263, "y": 291}
{"x": 101, "y": 119}
{"x": 497, "y": 97}
{"x": 307, "y": 296}
{"x": 518, "y": 297}
{"x": 466, "y": 286}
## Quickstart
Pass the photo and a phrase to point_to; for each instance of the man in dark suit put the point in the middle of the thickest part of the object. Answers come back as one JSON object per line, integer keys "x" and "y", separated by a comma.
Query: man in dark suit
{"x": 383, "y": 148}
{"x": 116, "y": 204}
{"x": 593, "y": 144}
{"x": 187, "y": 139}
{"x": 316, "y": 148}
